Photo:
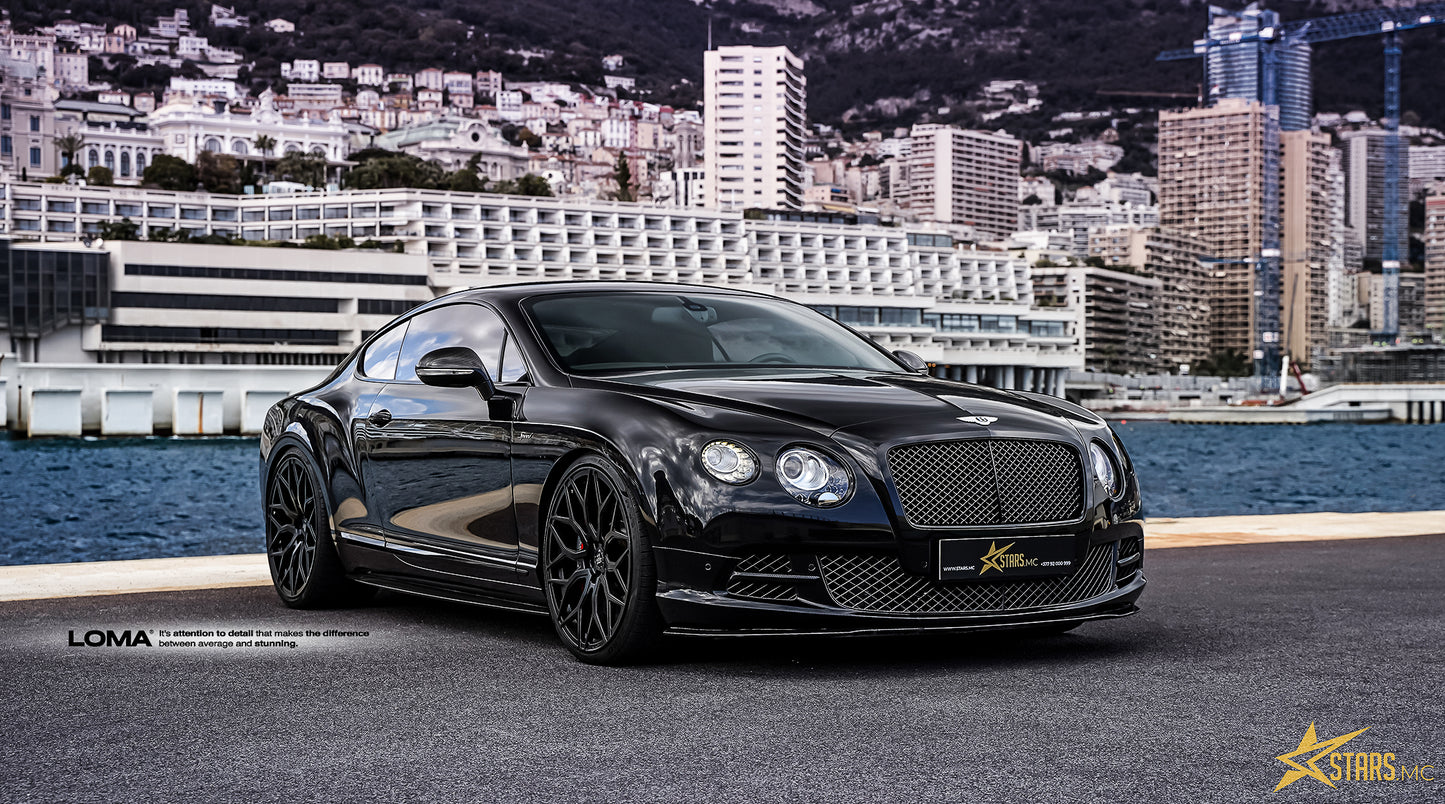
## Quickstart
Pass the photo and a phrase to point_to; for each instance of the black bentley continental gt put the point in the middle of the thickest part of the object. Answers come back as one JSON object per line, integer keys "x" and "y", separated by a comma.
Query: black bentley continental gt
{"x": 640, "y": 458}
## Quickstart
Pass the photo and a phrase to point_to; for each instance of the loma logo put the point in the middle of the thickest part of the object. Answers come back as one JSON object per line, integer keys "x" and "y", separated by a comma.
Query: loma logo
{"x": 110, "y": 639}
{"x": 982, "y": 421}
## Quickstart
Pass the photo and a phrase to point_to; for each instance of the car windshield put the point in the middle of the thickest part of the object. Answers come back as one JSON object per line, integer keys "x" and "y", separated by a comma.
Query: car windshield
{"x": 619, "y": 332}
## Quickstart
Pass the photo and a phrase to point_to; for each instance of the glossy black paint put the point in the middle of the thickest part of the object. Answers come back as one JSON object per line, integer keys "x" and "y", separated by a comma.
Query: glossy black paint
{"x": 437, "y": 490}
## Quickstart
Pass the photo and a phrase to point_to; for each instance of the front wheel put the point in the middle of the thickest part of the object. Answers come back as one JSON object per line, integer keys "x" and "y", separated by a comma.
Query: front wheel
{"x": 597, "y": 567}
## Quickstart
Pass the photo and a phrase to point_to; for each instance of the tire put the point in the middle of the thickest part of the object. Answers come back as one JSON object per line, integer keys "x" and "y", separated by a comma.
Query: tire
{"x": 598, "y": 573}
{"x": 305, "y": 570}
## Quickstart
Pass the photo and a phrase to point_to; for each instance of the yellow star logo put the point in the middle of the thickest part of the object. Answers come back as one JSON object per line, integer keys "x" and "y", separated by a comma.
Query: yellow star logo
{"x": 1321, "y": 749}
{"x": 990, "y": 559}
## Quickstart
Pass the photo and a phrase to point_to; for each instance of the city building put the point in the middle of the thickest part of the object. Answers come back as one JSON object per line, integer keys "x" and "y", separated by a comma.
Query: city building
{"x": 969, "y": 178}
{"x": 680, "y": 187}
{"x": 1434, "y": 296}
{"x": 1076, "y": 157}
{"x": 305, "y": 70}
{"x": 279, "y": 25}
{"x": 115, "y": 137}
{"x": 1364, "y": 166}
{"x": 1211, "y": 186}
{"x": 27, "y": 120}
{"x": 369, "y": 75}
{"x": 967, "y": 310}
{"x": 1427, "y": 166}
{"x": 1236, "y": 71}
{"x": 454, "y": 141}
{"x": 335, "y": 70}
{"x": 1179, "y": 262}
{"x": 1077, "y": 219}
{"x": 430, "y": 78}
{"x": 755, "y": 118}
{"x": 1411, "y": 304}
{"x": 137, "y": 302}
{"x": 1307, "y": 242}
{"x": 1114, "y": 310}
{"x": 187, "y": 129}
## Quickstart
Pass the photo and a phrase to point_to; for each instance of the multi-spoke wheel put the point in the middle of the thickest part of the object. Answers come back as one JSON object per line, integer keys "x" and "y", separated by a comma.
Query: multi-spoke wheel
{"x": 304, "y": 567}
{"x": 597, "y": 566}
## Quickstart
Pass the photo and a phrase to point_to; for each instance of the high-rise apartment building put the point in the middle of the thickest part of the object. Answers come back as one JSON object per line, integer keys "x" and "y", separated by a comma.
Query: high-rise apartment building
{"x": 1435, "y": 266}
{"x": 1237, "y": 71}
{"x": 1307, "y": 242}
{"x": 1178, "y": 262}
{"x": 1115, "y": 314}
{"x": 964, "y": 177}
{"x": 755, "y": 104}
{"x": 1364, "y": 166}
{"x": 1211, "y": 187}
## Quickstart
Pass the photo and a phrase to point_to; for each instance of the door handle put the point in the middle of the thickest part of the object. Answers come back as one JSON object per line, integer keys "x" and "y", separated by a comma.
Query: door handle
{"x": 380, "y": 418}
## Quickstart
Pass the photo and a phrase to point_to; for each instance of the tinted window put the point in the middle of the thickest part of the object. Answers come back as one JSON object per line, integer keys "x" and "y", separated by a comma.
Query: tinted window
{"x": 636, "y": 331}
{"x": 380, "y": 360}
{"x": 469, "y": 325}
{"x": 513, "y": 367}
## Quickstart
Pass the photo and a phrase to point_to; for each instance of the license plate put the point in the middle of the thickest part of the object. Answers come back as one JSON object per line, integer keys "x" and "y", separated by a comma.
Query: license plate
{"x": 995, "y": 559}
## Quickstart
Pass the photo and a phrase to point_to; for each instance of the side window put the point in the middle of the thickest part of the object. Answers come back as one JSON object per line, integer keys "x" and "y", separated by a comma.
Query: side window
{"x": 470, "y": 325}
{"x": 379, "y": 362}
{"x": 513, "y": 367}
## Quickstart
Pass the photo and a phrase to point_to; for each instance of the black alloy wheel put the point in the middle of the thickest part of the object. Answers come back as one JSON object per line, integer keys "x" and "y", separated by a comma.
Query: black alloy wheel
{"x": 597, "y": 567}
{"x": 304, "y": 566}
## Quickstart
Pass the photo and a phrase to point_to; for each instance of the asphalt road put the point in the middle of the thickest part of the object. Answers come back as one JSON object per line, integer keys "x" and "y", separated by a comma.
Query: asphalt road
{"x": 1238, "y": 650}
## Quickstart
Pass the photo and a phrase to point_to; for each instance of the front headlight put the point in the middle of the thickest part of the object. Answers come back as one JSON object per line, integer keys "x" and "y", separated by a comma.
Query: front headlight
{"x": 812, "y": 477}
{"x": 729, "y": 462}
{"x": 1104, "y": 468}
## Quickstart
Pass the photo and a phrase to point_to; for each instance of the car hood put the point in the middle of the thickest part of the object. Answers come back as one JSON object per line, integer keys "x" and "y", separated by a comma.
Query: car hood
{"x": 877, "y": 407}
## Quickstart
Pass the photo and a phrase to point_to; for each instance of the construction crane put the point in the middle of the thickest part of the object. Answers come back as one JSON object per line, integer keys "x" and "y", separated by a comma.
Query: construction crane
{"x": 1388, "y": 23}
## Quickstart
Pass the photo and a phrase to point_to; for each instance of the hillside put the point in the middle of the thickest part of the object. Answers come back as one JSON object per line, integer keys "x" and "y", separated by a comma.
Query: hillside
{"x": 879, "y": 62}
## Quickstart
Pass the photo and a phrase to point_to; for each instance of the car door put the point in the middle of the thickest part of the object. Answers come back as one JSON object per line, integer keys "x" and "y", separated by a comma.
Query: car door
{"x": 438, "y": 465}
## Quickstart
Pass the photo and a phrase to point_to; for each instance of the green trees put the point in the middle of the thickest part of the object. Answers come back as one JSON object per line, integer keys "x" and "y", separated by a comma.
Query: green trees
{"x": 307, "y": 169}
{"x": 170, "y": 173}
{"x": 123, "y": 229}
{"x": 69, "y": 145}
{"x": 530, "y": 184}
{"x": 100, "y": 176}
{"x": 378, "y": 169}
{"x": 1230, "y": 363}
{"x": 218, "y": 173}
{"x": 622, "y": 174}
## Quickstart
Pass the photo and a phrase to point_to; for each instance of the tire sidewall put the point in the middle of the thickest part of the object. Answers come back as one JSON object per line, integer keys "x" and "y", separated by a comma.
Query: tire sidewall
{"x": 639, "y": 616}
{"x": 321, "y": 521}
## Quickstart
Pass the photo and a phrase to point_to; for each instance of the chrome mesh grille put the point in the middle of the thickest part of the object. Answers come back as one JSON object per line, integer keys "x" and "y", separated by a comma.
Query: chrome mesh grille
{"x": 988, "y": 481}
{"x": 878, "y": 584}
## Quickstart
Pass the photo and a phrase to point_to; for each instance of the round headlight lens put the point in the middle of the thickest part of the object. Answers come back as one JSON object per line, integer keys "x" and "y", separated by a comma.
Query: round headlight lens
{"x": 1104, "y": 468}
{"x": 729, "y": 462}
{"x": 812, "y": 477}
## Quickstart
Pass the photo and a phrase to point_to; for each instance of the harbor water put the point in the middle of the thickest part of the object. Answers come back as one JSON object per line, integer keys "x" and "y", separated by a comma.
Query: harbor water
{"x": 93, "y": 500}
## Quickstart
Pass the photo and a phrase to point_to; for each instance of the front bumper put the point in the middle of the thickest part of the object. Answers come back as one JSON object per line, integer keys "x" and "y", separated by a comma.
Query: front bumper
{"x": 706, "y": 593}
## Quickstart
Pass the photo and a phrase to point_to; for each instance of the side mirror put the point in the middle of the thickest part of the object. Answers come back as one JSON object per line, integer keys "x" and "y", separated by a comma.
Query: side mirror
{"x": 912, "y": 361}
{"x": 455, "y": 367}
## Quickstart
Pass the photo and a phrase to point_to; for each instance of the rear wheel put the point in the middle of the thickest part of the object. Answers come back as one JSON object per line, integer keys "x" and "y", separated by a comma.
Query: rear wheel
{"x": 597, "y": 567}
{"x": 304, "y": 566}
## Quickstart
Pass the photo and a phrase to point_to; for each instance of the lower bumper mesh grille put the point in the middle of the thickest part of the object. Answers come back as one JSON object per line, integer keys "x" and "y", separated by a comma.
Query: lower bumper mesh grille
{"x": 878, "y": 584}
{"x": 777, "y": 590}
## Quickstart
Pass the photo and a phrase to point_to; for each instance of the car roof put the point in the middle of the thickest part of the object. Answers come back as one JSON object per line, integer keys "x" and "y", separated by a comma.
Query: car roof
{"x": 517, "y": 291}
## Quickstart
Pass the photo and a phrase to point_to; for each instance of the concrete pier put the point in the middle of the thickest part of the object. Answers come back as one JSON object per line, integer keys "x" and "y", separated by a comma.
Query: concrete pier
{"x": 127, "y": 412}
{"x": 107, "y": 399}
